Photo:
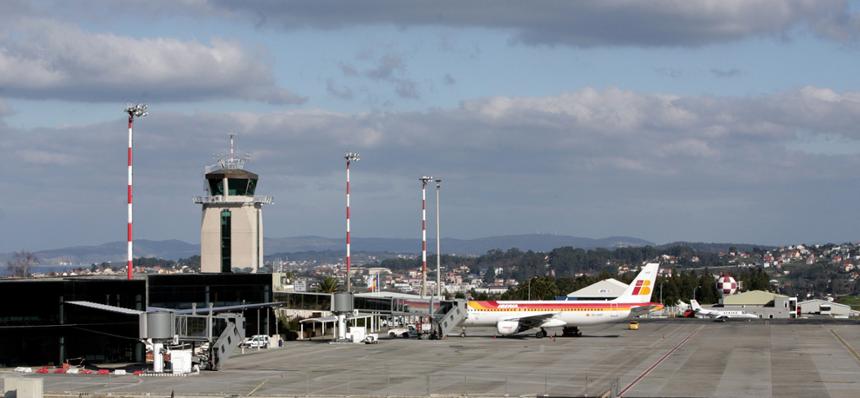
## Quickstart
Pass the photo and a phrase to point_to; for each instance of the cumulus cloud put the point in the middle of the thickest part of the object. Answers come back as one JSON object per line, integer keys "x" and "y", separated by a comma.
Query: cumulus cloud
{"x": 578, "y": 23}
{"x": 46, "y": 59}
{"x": 665, "y": 167}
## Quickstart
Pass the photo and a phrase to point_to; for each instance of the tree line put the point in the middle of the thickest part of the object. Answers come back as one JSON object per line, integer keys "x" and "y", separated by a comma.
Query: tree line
{"x": 681, "y": 286}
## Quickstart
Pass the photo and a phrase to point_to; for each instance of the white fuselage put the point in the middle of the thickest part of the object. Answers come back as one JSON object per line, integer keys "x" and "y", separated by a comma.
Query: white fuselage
{"x": 565, "y": 313}
{"x": 726, "y": 314}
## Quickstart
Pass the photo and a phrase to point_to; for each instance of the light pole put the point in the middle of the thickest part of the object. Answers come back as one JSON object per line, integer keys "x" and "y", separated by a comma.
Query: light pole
{"x": 438, "y": 245}
{"x": 661, "y": 292}
{"x": 424, "y": 180}
{"x": 350, "y": 157}
{"x": 137, "y": 110}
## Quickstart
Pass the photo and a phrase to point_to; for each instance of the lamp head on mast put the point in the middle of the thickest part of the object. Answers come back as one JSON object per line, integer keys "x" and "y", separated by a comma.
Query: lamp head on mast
{"x": 352, "y": 157}
{"x": 136, "y": 110}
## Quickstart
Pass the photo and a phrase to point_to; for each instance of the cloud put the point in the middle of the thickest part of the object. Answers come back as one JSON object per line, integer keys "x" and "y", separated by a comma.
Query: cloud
{"x": 577, "y": 23}
{"x": 449, "y": 80}
{"x": 725, "y": 73}
{"x": 47, "y": 59}
{"x": 389, "y": 68}
{"x": 342, "y": 92}
{"x": 662, "y": 166}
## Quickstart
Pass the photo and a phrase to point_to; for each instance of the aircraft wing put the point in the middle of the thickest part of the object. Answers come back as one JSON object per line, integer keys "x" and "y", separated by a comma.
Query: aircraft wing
{"x": 105, "y": 307}
{"x": 199, "y": 311}
{"x": 641, "y": 310}
{"x": 536, "y": 320}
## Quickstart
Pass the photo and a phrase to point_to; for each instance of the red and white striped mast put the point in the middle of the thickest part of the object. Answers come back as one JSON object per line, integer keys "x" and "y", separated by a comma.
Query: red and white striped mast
{"x": 138, "y": 110}
{"x": 424, "y": 180}
{"x": 350, "y": 157}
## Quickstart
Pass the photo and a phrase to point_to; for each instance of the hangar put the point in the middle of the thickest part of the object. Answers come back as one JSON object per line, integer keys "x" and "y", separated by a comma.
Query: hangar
{"x": 606, "y": 289}
{"x": 827, "y": 308}
{"x": 765, "y": 304}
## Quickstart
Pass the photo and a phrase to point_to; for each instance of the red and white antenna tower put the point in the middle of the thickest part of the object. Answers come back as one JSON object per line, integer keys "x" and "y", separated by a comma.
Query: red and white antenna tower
{"x": 350, "y": 157}
{"x": 424, "y": 180}
{"x": 438, "y": 244}
{"x": 138, "y": 110}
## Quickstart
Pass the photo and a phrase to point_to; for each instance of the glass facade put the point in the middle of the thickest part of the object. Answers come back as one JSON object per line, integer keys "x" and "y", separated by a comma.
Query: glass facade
{"x": 240, "y": 186}
{"x": 305, "y": 301}
{"x": 38, "y": 325}
{"x": 216, "y": 187}
{"x": 226, "y": 263}
{"x": 179, "y": 291}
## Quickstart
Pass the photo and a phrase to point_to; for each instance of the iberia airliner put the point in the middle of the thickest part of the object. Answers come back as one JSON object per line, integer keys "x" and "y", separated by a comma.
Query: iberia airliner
{"x": 512, "y": 317}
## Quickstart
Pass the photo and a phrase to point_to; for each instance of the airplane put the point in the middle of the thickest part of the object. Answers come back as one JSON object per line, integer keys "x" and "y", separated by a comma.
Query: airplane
{"x": 515, "y": 317}
{"x": 720, "y": 315}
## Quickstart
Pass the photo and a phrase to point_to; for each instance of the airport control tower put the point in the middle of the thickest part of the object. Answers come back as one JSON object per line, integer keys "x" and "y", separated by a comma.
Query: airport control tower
{"x": 231, "y": 231}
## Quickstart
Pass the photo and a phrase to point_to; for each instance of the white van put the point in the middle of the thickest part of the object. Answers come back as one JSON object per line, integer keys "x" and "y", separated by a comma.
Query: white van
{"x": 256, "y": 341}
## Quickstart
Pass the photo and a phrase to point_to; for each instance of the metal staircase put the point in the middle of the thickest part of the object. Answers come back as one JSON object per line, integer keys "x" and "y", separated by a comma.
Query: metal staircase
{"x": 449, "y": 316}
{"x": 222, "y": 332}
{"x": 230, "y": 338}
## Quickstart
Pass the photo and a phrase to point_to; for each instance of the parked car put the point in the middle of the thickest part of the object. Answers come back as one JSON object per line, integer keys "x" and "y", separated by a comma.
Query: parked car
{"x": 405, "y": 332}
{"x": 256, "y": 341}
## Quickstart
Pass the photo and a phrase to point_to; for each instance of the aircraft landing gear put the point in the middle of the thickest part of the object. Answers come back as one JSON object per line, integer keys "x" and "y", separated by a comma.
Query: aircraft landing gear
{"x": 541, "y": 334}
{"x": 572, "y": 331}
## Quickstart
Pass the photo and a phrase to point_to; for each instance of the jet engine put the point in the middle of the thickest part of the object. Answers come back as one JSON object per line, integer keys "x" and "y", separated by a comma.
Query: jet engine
{"x": 507, "y": 328}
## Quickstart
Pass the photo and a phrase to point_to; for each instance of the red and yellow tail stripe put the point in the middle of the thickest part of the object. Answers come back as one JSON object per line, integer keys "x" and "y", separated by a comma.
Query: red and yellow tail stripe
{"x": 560, "y": 306}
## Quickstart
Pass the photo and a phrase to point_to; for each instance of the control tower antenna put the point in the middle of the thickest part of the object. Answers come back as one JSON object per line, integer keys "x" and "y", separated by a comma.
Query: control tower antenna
{"x": 424, "y": 180}
{"x": 350, "y": 157}
{"x": 136, "y": 110}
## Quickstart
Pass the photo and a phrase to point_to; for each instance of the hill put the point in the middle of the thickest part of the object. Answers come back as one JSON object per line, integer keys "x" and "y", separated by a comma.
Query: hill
{"x": 176, "y": 249}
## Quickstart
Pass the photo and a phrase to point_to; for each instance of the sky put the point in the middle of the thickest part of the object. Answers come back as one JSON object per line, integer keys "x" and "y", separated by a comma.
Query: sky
{"x": 666, "y": 120}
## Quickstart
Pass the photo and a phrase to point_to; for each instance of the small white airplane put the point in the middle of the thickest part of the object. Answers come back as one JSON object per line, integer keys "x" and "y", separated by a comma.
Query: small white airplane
{"x": 513, "y": 317}
{"x": 720, "y": 315}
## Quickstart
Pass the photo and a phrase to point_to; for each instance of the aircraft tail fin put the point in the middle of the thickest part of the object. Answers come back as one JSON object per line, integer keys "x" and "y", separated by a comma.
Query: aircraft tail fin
{"x": 695, "y": 305}
{"x": 640, "y": 290}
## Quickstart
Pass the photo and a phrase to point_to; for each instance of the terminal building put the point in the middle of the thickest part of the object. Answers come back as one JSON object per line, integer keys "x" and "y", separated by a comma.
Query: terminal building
{"x": 38, "y": 325}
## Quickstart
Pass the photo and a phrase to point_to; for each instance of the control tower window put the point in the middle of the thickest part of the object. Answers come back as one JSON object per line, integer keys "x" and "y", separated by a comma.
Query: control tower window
{"x": 237, "y": 186}
{"x": 216, "y": 187}
{"x": 252, "y": 186}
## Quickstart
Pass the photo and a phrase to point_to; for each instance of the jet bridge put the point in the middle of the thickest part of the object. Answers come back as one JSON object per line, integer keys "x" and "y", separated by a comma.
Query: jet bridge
{"x": 215, "y": 334}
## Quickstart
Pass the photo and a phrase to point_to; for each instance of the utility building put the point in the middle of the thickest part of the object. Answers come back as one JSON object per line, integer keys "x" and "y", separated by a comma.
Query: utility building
{"x": 231, "y": 231}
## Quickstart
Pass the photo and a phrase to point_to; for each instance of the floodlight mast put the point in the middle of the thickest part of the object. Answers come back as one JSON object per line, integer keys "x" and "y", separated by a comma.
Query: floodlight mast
{"x": 424, "y": 180}
{"x": 350, "y": 157}
{"x": 136, "y": 110}
{"x": 438, "y": 244}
